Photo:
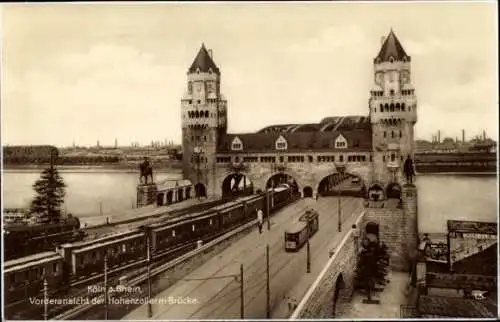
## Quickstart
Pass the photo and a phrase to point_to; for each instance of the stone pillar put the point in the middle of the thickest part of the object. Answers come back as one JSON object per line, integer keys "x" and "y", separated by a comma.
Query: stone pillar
{"x": 409, "y": 224}
{"x": 146, "y": 194}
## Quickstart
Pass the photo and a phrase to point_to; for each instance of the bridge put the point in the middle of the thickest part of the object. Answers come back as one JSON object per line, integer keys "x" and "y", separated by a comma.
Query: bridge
{"x": 215, "y": 291}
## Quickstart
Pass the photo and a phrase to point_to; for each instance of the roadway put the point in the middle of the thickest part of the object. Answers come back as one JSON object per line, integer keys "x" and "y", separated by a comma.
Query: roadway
{"x": 220, "y": 297}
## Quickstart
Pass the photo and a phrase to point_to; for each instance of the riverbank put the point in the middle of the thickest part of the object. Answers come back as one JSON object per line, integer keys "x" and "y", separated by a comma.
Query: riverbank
{"x": 119, "y": 168}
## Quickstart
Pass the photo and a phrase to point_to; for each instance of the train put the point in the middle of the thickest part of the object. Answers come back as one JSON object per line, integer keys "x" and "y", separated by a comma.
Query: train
{"x": 26, "y": 239}
{"x": 299, "y": 232}
{"x": 71, "y": 263}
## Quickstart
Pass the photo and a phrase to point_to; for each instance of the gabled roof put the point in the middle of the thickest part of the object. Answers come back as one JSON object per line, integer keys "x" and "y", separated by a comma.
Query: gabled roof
{"x": 204, "y": 62}
{"x": 392, "y": 48}
{"x": 357, "y": 140}
{"x": 328, "y": 124}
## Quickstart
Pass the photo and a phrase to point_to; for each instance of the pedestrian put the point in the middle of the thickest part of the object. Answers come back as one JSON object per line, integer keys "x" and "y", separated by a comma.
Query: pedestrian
{"x": 260, "y": 219}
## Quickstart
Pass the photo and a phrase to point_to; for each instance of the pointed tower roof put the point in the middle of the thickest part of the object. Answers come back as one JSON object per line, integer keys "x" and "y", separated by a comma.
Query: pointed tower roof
{"x": 392, "y": 48}
{"x": 204, "y": 62}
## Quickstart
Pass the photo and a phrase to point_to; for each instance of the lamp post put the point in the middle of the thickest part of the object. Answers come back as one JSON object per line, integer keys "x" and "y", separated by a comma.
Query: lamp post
{"x": 340, "y": 170}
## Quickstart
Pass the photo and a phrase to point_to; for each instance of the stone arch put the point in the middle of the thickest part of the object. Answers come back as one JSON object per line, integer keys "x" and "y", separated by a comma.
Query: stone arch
{"x": 339, "y": 287}
{"x": 376, "y": 192}
{"x": 282, "y": 178}
{"x": 308, "y": 192}
{"x": 348, "y": 183}
{"x": 393, "y": 190}
{"x": 159, "y": 199}
{"x": 170, "y": 196}
{"x": 371, "y": 233}
{"x": 200, "y": 190}
{"x": 180, "y": 195}
{"x": 236, "y": 184}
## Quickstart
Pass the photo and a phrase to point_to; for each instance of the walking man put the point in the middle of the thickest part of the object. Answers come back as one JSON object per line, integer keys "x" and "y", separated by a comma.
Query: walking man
{"x": 260, "y": 219}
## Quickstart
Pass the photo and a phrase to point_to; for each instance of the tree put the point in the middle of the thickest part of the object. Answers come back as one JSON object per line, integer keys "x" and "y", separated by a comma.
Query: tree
{"x": 373, "y": 263}
{"x": 50, "y": 192}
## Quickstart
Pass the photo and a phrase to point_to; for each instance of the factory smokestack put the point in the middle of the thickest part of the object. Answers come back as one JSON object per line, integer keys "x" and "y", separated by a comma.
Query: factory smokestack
{"x": 439, "y": 136}
{"x": 463, "y": 136}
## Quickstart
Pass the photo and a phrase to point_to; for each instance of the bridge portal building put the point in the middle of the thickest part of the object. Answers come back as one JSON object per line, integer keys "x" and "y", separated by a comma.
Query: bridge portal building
{"x": 348, "y": 154}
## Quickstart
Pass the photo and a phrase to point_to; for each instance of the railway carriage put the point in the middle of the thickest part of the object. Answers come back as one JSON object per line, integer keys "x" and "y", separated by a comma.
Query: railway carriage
{"x": 24, "y": 276}
{"x": 75, "y": 261}
{"x": 89, "y": 260}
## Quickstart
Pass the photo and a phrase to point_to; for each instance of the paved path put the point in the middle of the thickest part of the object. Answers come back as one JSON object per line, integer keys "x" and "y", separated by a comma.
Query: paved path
{"x": 220, "y": 298}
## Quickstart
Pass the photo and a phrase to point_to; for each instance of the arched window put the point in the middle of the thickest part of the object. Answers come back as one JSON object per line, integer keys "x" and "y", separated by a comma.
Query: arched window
{"x": 397, "y": 107}
{"x": 381, "y": 107}
{"x": 392, "y": 92}
{"x": 385, "y": 134}
{"x": 403, "y": 107}
{"x": 392, "y": 133}
{"x": 393, "y": 157}
{"x": 197, "y": 114}
{"x": 206, "y": 113}
{"x": 386, "y": 107}
{"x": 400, "y": 134}
{"x": 392, "y": 107}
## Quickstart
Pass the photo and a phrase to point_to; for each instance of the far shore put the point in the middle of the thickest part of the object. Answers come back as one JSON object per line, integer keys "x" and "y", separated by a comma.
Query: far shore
{"x": 88, "y": 168}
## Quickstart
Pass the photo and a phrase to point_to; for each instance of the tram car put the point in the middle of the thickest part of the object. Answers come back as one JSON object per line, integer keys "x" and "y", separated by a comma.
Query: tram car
{"x": 299, "y": 232}
{"x": 77, "y": 261}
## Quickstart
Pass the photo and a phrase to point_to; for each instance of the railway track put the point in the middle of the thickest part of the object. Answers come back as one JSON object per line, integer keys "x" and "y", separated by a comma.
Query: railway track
{"x": 79, "y": 288}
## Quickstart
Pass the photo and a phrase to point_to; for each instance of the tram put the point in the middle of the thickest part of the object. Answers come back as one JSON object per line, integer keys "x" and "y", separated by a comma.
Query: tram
{"x": 298, "y": 234}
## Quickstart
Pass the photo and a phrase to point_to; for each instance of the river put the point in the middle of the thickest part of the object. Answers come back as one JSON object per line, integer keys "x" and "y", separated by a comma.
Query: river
{"x": 441, "y": 196}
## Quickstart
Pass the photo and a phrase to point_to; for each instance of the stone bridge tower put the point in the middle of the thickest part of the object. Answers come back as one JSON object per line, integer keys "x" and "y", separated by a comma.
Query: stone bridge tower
{"x": 393, "y": 112}
{"x": 204, "y": 121}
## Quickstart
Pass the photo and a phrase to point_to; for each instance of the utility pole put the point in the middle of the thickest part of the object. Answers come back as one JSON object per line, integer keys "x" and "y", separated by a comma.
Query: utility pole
{"x": 268, "y": 281}
{"x": 45, "y": 300}
{"x": 148, "y": 244}
{"x": 106, "y": 285}
{"x": 100, "y": 208}
{"x": 242, "y": 298}
{"x": 308, "y": 257}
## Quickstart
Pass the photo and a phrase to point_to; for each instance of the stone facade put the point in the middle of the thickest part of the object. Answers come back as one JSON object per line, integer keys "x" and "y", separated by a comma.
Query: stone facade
{"x": 336, "y": 277}
{"x": 398, "y": 229}
{"x": 146, "y": 194}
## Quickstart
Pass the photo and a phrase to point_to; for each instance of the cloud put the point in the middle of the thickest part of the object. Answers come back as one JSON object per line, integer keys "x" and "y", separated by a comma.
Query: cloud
{"x": 107, "y": 92}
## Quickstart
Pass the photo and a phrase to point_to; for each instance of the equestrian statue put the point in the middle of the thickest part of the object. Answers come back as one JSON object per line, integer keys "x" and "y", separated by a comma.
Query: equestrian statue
{"x": 146, "y": 171}
{"x": 409, "y": 170}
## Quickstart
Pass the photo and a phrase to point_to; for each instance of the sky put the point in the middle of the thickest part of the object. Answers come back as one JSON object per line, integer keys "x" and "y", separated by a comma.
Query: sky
{"x": 87, "y": 72}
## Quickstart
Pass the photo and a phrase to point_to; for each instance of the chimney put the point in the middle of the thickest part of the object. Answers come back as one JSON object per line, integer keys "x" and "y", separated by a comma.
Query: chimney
{"x": 439, "y": 136}
{"x": 463, "y": 136}
{"x": 210, "y": 53}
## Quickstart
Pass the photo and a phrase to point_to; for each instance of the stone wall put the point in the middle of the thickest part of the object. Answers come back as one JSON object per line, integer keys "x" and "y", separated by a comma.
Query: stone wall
{"x": 319, "y": 299}
{"x": 398, "y": 228}
{"x": 146, "y": 194}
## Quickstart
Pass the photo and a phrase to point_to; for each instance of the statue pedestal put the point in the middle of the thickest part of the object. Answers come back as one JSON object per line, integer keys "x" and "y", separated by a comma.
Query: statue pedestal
{"x": 146, "y": 194}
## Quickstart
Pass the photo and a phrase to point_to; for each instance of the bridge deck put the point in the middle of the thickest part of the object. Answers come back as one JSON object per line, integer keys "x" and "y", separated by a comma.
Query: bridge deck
{"x": 220, "y": 298}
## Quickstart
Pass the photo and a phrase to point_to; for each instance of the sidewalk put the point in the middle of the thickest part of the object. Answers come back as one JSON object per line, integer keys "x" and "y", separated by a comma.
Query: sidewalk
{"x": 391, "y": 298}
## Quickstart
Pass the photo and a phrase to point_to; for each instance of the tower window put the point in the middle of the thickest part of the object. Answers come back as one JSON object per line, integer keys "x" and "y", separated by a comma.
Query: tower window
{"x": 190, "y": 102}
{"x": 341, "y": 158}
{"x": 190, "y": 88}
{"x": 400, "y": 134}
{"x": 392, "y": 92}
{"x": 281, "y": 159}
{"x": 383, "y": 158}
{"x": 393, "y": 157}
{"x": 199, "y": 101}
{"x": 385, "y": 134}
{"x": 392, "y": 133}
